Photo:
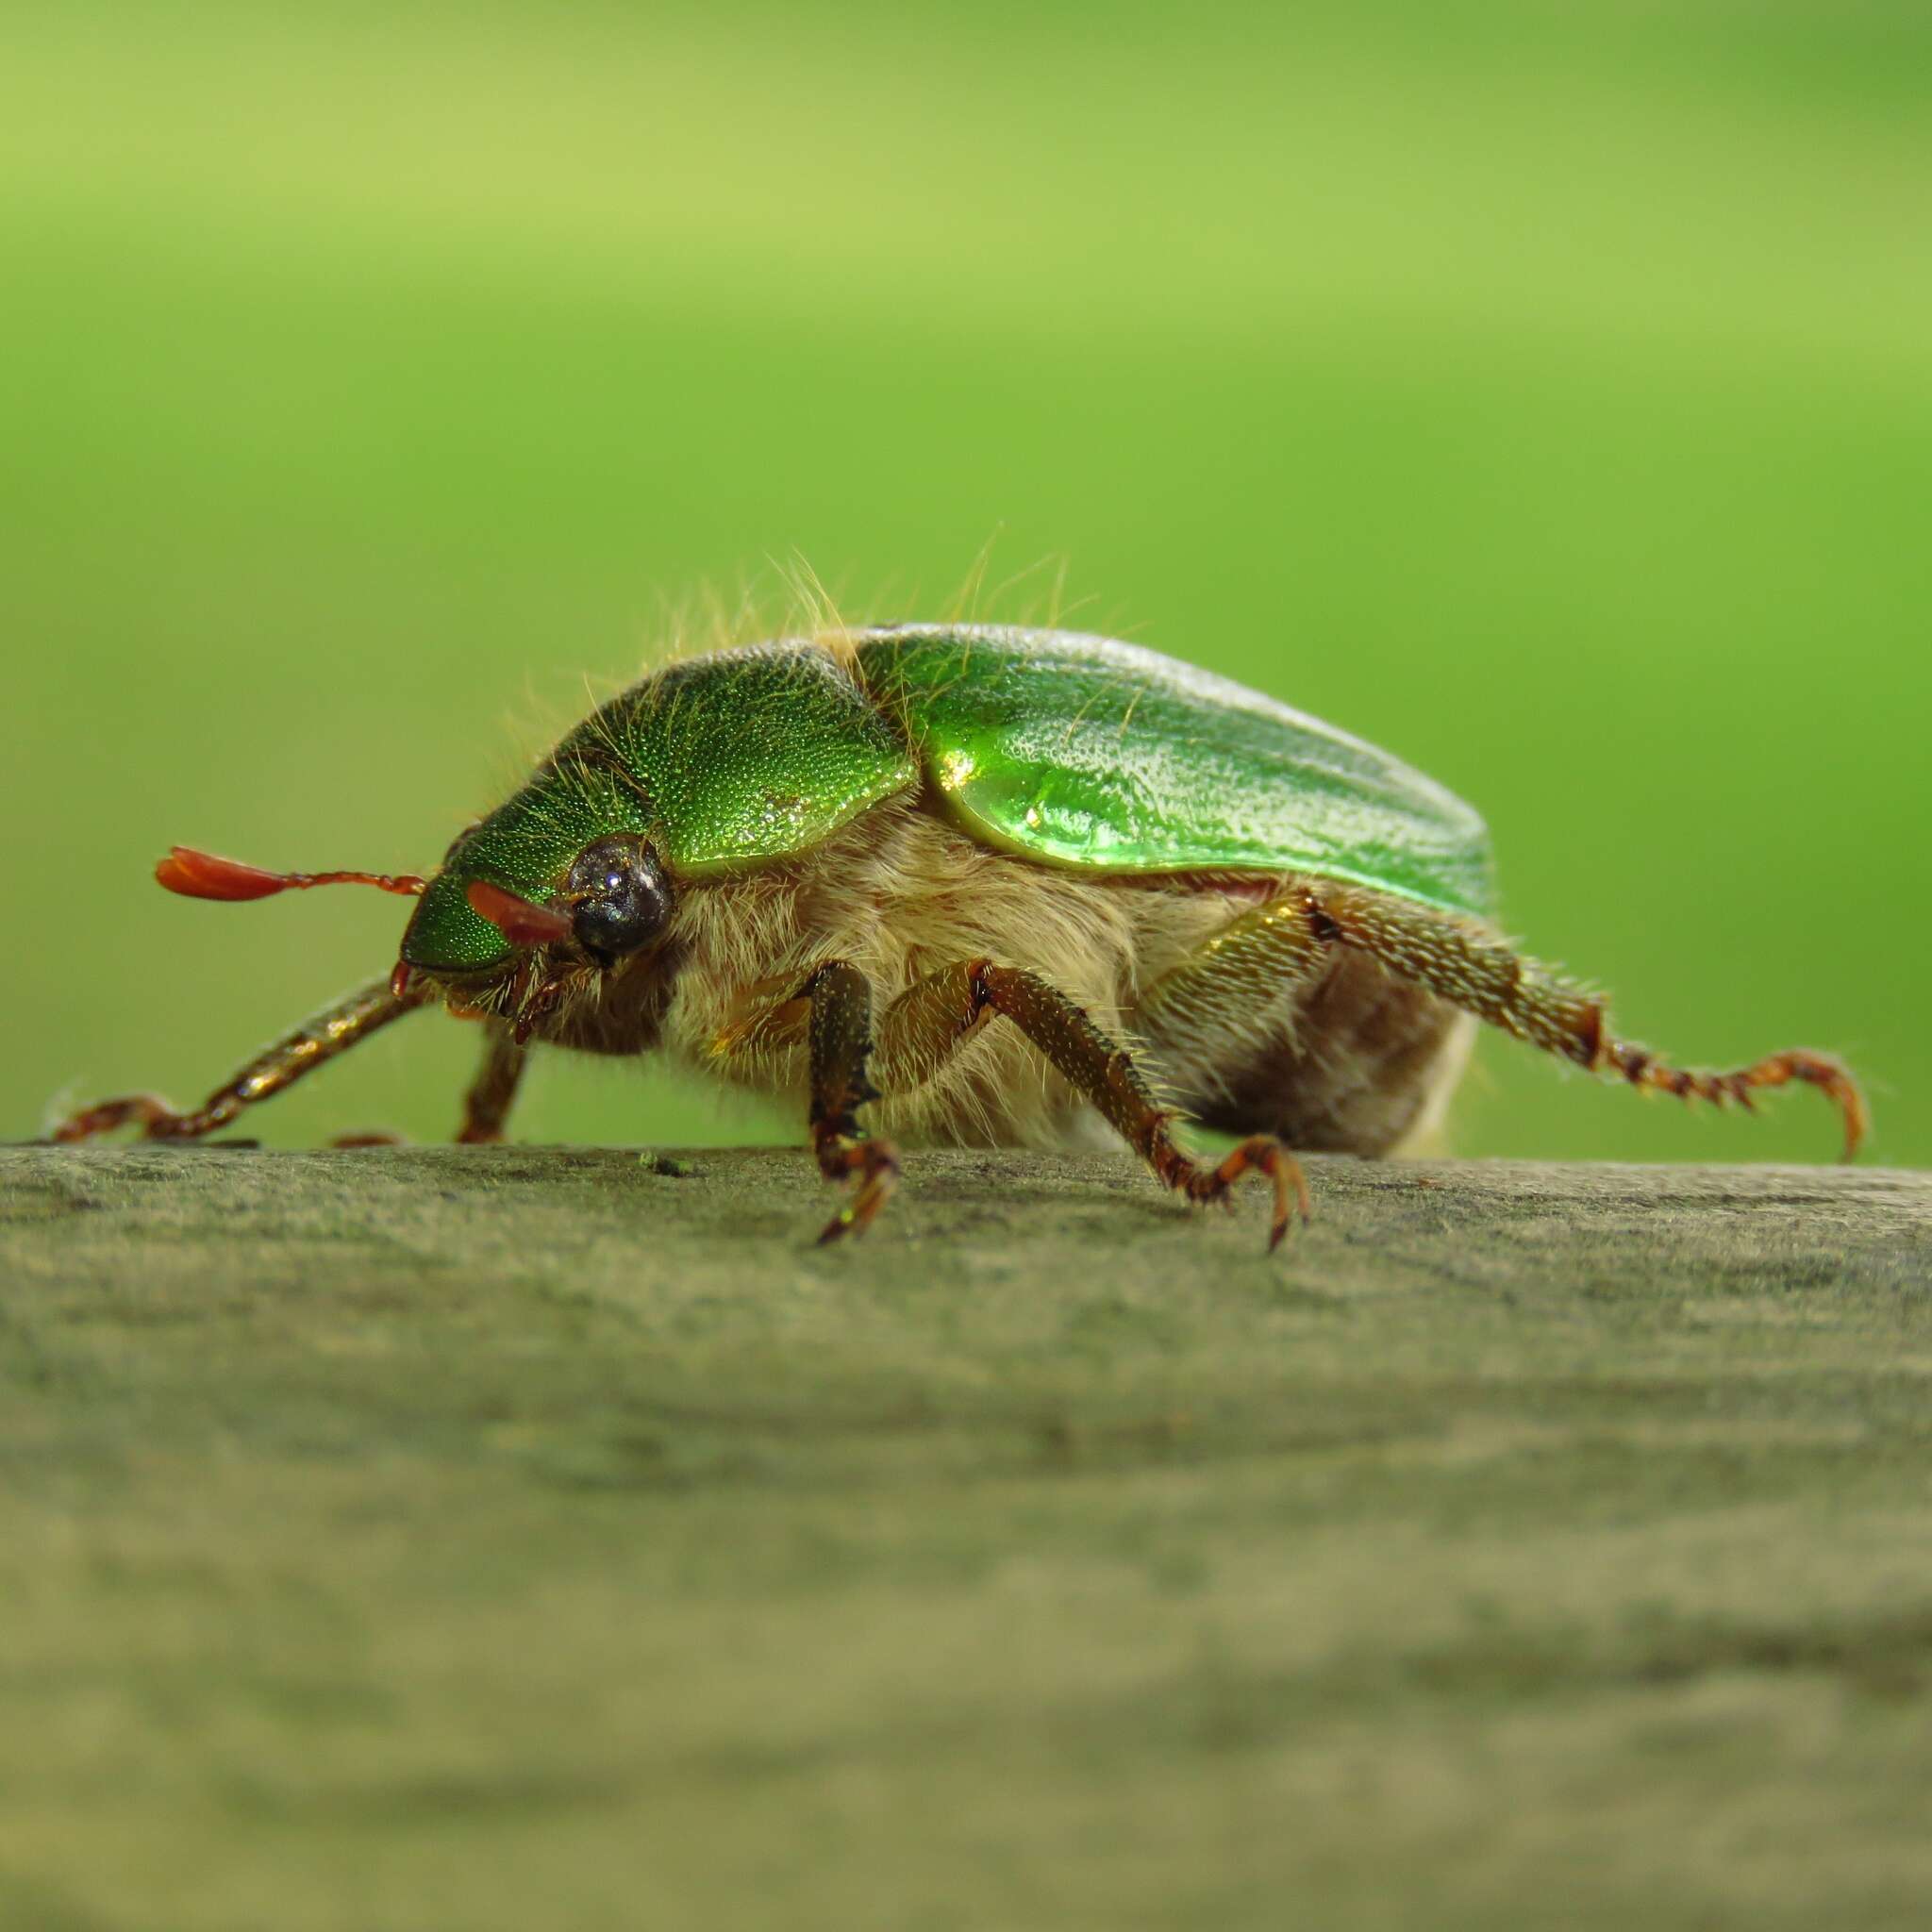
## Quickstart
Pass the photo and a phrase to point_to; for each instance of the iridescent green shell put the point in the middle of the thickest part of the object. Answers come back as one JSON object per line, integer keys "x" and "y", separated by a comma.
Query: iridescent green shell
{"x": 1073, "y": 751}
{"x": 1083, "y": 752}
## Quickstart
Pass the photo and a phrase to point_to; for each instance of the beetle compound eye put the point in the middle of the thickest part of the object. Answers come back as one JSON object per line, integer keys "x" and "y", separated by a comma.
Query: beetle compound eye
{"x": 622, "y": 898}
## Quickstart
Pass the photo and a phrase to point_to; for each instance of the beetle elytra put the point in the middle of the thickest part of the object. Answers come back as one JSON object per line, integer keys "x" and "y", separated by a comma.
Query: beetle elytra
{"x": 943, "y": 875}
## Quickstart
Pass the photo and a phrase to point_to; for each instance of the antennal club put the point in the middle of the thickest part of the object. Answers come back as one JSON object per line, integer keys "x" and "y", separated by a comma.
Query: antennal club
{"x": 203, "y": 876}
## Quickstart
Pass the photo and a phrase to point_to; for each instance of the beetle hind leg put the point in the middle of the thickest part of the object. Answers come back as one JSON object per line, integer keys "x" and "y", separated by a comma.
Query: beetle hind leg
{"x": 1459, "y": 962}
{"x": 1489, "y": 979}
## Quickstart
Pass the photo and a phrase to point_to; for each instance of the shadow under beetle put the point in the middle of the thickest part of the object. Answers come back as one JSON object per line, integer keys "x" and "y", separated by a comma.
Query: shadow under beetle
{"x": 942, "y": 873}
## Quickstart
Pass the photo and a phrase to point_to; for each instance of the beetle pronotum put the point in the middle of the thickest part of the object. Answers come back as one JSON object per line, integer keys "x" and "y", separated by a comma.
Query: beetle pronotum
{"x": 940, "y": 873}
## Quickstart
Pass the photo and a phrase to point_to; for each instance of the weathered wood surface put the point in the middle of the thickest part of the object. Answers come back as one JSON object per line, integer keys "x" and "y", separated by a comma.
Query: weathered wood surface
{"x": 527, "y": 1214}
{"x": 528, "y": 1537}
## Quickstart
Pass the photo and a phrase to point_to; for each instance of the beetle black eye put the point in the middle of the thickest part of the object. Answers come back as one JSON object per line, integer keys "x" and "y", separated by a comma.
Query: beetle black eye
{"x": 622, "y": 898}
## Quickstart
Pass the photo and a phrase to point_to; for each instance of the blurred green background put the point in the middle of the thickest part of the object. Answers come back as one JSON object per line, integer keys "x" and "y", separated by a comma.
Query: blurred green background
{"x": 1543, "y": 391}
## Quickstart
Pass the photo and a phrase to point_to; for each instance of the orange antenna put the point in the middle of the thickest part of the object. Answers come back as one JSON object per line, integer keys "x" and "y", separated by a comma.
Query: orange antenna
{"x": 202, "y": 876}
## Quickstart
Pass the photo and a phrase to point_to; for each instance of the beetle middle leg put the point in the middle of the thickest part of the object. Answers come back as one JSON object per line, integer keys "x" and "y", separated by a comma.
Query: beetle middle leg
{"x": 926, "y": 1021}
{"x": 1470, "y": 969}
{"x": 330, "y": 1032}
{"x": 920, "y": 1030}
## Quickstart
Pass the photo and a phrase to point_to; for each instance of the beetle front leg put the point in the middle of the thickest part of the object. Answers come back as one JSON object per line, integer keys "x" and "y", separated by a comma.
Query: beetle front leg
{"x": 332, "y": 1031}
{"x": 926, "y": 1021}
{"x": 840, "y": 1036}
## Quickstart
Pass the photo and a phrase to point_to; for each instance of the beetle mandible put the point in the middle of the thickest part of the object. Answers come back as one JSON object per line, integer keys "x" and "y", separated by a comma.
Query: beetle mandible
{"x": 941, "y": 874}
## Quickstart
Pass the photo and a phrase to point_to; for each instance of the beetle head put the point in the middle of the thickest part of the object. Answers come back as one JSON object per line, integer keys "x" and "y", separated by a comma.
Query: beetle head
{"x": 561, "y": 887}
{"x": 615, "y": 901}
{"x": 612, "y": 903}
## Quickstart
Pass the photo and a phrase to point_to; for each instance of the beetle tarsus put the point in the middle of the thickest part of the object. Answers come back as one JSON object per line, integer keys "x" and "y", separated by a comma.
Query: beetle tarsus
{"x": 1825, "y": 1070}
{"x": 1264, "y": 1155}
{"x": 153, "y": 1116}
{"x": 875, "y": 1164}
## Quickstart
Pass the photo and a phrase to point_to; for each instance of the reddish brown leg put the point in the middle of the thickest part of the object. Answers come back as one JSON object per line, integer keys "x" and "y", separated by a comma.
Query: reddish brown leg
{"x": 330, "y": 1032}
{"x": 841, "y": 1043}
{"x": 1487, "y": 978}
{"x": 1463, "y": 964}
{"x": 1098, "y": 1068}
{"x": 1823, "y": 1071}
{"x": 487, "y": 1104}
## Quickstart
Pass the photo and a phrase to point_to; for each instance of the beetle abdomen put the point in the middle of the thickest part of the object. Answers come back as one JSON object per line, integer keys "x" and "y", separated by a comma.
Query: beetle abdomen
{"x": 1354, "y": 1062}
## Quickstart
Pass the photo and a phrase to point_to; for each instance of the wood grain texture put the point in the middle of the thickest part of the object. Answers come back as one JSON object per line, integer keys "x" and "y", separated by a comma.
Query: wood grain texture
{"x": 501, "y": 1537}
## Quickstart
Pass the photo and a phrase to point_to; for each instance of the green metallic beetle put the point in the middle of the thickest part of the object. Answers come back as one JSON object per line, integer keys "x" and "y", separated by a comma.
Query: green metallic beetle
{"x": 825, "y": 869}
